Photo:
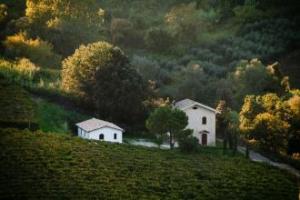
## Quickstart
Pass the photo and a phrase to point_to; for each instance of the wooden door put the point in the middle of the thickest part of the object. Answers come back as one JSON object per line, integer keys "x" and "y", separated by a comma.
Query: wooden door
{"x": 204, "y": 139}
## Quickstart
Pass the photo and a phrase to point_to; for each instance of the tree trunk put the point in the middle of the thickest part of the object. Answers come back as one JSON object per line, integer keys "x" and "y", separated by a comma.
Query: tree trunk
{"x": 225, "y": 140}
{"x": 247, "y": 149}
{"x": 230, "y": 140}
{"x": 235, "y": 143}
{"x": 171, "y": 141}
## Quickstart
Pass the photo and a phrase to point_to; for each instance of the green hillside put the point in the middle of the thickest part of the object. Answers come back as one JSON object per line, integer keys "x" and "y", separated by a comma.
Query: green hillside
{"x": 20, "y": 109}
{"x": 16, "y": 106}
{"x": 48, "y": 166}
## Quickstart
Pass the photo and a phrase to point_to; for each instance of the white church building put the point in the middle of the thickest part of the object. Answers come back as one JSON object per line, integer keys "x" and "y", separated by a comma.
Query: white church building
{"x": 95, "y": 129}
{"x": 201, "y": 119}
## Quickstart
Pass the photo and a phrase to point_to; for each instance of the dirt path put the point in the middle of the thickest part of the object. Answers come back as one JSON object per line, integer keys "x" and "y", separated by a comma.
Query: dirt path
{"x": 254, "y": 156}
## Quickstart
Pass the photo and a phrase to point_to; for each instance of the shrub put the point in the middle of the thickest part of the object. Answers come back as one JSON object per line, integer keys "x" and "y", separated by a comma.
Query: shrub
{"x": 188, "y": 143}
{"x": 26, "y": 74}
{"x": 159, "y": 39}
{"x": 183, "y": 20}
{"x": 248, "y": 13}
{"x": 37, "y": 50}
{"x": 25, "y": 67}
{"x": 20, "y": 70}
{"x": 147, "y": 68}
{"x": 123, "y": 33}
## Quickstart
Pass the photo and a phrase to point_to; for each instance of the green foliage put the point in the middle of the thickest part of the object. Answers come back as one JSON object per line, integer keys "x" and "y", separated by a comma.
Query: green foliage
{"x": 10, "y": 10}
{"x": 271, "y": 131}
{"x": 159, "y": 39}
{"x": 187, "y": 143}
{"x": 254, "y": 78}
{"x": 25, "y": 73}
{"x": 124, "y": 33}
{"x": 3, "y": 13}
{"x": 66, "y": 24}
{"x": 270, "y": 120}
{"x": 294, "y": 105}
{"x": 101, "y": 74}
{"x": 37, "y": 50}
{"x": 186, "y": 21}
{"x": 21, "y": 110}
{"x": 227, "y": 126}
{"x": 54, "y": 118}
{"x": 192, "y": 82}
{"x": 205, "y": 33}
{"x": 248, "y": 13}
{"x": 166, "y": 120}
{"x": 211, "y": 38}
{"x": 37, "y": 166}
{"x": 221, "y": 117}
{"x": 17, "y": 109}
{"x": 147, "y": 68}
{"x": 23, "y": 69}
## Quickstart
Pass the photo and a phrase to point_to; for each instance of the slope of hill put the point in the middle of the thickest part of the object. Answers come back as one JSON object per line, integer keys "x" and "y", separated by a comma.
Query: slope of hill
{"x": 20, "y": 109}
{"x": 38, "y": 165}
{"x": 16, "y": 106}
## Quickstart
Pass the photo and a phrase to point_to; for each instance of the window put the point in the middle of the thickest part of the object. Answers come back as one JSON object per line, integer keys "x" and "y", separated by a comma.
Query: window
{"x": 204, "y": 120}
{"x": 115, "y": 136}
{"x": 195, "y": 107}
{"x": 101, "y": 137}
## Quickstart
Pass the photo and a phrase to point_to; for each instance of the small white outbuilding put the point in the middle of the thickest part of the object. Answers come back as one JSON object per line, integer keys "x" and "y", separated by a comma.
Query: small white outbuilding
{"x": 95, "y": 129}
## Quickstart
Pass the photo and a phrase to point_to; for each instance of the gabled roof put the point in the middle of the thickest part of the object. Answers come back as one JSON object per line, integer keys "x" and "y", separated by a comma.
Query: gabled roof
{"x": 187, "y": 103}
{"x": 94, "y": 124}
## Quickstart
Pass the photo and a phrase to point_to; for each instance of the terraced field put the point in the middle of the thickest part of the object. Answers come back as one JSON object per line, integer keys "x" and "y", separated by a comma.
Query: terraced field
{"x": 49, "y": 166}
{"x": 16, "y": 106}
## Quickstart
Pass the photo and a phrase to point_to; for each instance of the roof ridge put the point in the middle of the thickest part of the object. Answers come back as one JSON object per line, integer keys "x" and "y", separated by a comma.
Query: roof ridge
{"x": 185, "y": 103}
{"x": 94, "y": 123}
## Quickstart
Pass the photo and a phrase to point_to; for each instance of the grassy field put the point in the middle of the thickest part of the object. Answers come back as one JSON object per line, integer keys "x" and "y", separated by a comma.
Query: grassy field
{"x": 50, "y": 166}
{"x": 54, "y": 118}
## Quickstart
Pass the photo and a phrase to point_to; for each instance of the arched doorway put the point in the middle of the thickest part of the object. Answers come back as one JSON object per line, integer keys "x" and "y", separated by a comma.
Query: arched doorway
{"x": 204, "y": 139}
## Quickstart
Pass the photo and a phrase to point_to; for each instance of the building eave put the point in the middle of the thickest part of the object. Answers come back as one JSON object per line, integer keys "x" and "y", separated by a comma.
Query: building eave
{"x": 120, "y": 129}
{"x": 200, "y": 105}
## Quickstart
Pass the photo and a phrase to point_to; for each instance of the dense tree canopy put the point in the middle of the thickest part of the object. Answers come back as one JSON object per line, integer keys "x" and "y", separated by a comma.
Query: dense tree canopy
{"x": 255, "y": 78}
{"x": 204, "y": 50}
{"x": 101, "y": 75}
{"x": 66, "y": 24}
{"x": 270, "y": 120}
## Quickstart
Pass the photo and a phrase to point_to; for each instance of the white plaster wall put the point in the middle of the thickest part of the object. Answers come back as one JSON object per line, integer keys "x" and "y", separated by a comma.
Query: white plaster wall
{"x": 195, "y": 123}
{"x": 108, "y": 134}
{"x": 81, "y": 133}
